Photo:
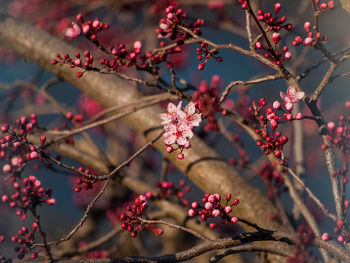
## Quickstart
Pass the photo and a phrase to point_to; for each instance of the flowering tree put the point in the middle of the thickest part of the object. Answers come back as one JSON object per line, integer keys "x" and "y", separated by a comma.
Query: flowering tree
{"x": 135, "y": 205}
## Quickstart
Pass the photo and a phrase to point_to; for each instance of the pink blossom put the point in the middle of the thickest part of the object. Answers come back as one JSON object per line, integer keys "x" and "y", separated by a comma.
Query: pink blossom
{"x": 73, "y": 31}
{"x": 178, "y": 124}
{"x": 177, "y": 133}
{"x": 192, "y": 118}
{"x": 171, "y": 114}
{"x": 291, "y": 97}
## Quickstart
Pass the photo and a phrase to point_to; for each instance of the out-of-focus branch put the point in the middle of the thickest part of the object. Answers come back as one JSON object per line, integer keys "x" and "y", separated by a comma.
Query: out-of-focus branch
{"x": 234, "y": 241}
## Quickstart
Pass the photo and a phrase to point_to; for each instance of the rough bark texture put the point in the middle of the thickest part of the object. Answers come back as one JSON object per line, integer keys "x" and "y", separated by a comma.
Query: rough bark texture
{"x": 202, "y": 164}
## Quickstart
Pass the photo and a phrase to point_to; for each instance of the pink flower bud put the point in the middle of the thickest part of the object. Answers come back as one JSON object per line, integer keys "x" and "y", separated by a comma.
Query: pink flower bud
{"x": 276, "y": 37}
{"x": 42, "y": 139}
{"x": 195, "y": 205}
{"x": 307, "y": 26}
{"x": 137, "y": 45}
{"x": 180, "y": 156}
{"x": 34, "y": 155}
{"x": 4, "y": 127}
{"x": 217, "y": 197}
{"x": 298, "y": 116}
{"x": 211, "y": 198}
{"x": 277, "y": 7}
{"x": 323, "y": 6}
{"x": 77, "y": 62}
{"x": 6, "y": 168}
{"x": 287, "y": 55}
{"x": 4, "y": 198}
{"x": 50, "y": 201}
{"x": 340, "y": 224}
{"x": 289, "y": 106}
{"x": 169, "y": 149}
{"x": 208, "y": 206}
{"x": 276, "y": 105}
{"x": 86, "y": 29}
{"x": 340, "y": 239}
{"x": 258, "y": 45}
{"x": 73, "y": 31}
{"x": 234, "y": 220}
{"x": 228, "y": 209}
{"x": 191, "y": 212}
{"x": 325, "y": 237}
{"x": 216, "y": 212}
{"x": 95, "y": 23}
{"x": 308, "y": 41}
{"x": 201, "y": 66}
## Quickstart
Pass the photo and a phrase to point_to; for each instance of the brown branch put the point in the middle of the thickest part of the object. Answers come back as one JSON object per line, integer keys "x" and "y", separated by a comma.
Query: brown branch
{"x": 206, "y": 246}
{"x": 249, "y": 248}
{"x": 178, "y": 227}
{"x": 228, "y": 88}
{"x": 324, "y": 82}
{"x": 313, "y": 197}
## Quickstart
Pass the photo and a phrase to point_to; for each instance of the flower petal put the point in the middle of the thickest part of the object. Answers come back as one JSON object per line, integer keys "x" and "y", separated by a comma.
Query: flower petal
{"x": 190, "y": 109}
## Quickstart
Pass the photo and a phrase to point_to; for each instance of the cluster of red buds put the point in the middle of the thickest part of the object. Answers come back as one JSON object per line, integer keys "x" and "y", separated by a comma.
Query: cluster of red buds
{"x": 277, "y": 57}
{"x": 205, "y": 52}
{"x": 339, "y": 230}
{"x": 274, "y": 24}
{"x": 311, "y": 39}
{"x": 323, "y": 7}
{"x": 130, "y": 218}
{"x": 270, "y": 143}
{"x": 28, "y": 196}
{"x": 14, "y": 145}
{"x": 75, "y": 62}
{"x": 89, "y": 28}
{"x": 167, "y": 190}
{"x": 339, "y": 135}
{"x": 83, "y": 184}
{"x": 212, "y": 208}
{"x": 206, "y": 100}
{"x": 25, "y": 240}
{"x": 271, "y": 176}
{"x": 243, "y": 160}
{"x": 168, "y": 26}
{"x": 305, "y": 238}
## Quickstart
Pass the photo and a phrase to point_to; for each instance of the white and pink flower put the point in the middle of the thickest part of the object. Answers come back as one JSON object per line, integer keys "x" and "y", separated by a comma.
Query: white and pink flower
{"x": 72, "y": 31}
{"x": 291, "y": 97}
{"x": 178, "y": 124}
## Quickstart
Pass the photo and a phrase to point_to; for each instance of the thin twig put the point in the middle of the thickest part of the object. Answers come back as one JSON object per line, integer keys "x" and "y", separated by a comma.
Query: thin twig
{"x": 228, "y": 88}
{"x": 185, "y": 229}
{"x": 312, "y": 196}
